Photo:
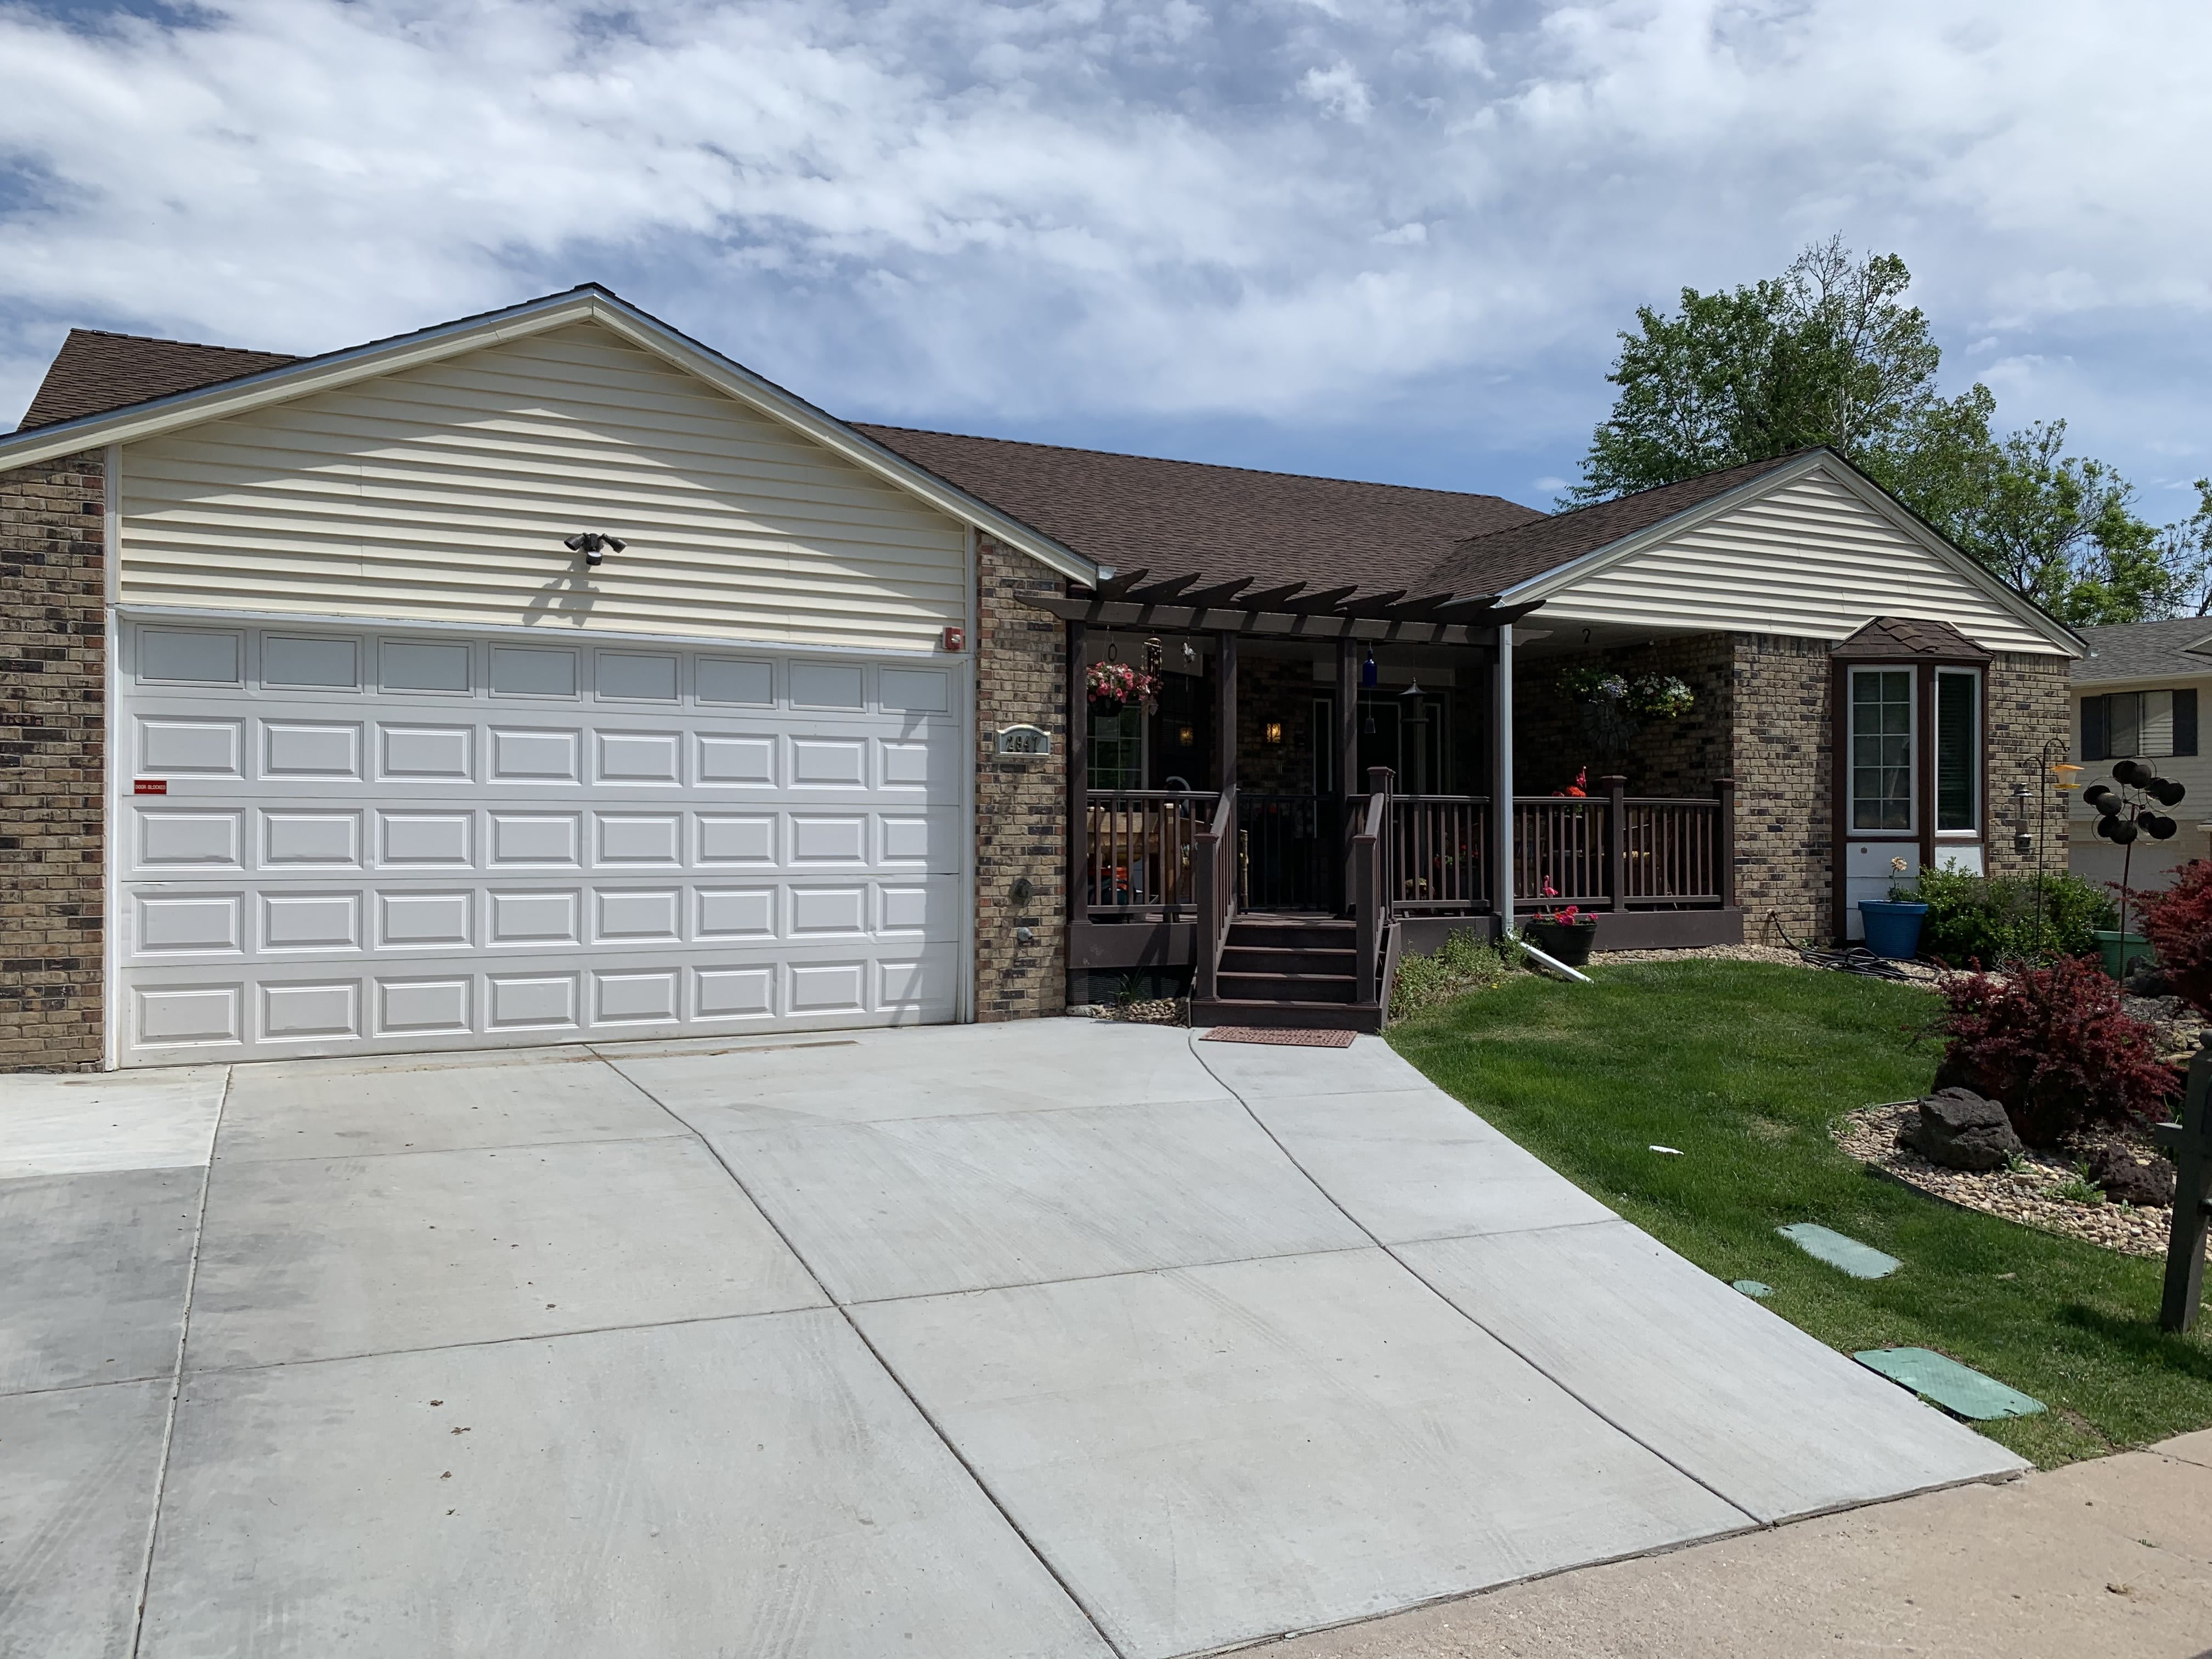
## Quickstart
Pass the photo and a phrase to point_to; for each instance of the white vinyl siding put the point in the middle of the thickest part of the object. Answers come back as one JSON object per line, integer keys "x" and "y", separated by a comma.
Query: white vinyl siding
{"x": 442, "y": 493}
{"x": 1811, "y": 558}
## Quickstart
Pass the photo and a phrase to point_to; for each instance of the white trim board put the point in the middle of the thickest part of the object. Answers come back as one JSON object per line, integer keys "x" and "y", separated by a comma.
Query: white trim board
{"x": 589, "y": 303}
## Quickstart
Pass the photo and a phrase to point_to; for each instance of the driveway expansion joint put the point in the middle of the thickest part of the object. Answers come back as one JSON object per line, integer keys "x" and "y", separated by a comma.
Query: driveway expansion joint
{"x": 176, "y": 1378}
{"x": 1091, "y": 1615}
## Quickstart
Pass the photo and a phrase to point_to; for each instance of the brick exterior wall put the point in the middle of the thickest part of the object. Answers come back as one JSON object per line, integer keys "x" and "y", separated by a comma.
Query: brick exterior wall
{"x": 1784, "y": 771}
{"x": 1678, "y": 757}
{"x": 1021, "y": 802}
{"x": 53, "y": 666}
{"x": 2029, "y": 707}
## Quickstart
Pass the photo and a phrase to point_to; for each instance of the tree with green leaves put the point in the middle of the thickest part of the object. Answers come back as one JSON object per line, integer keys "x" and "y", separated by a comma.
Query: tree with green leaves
{"x": 1831, "y": 353}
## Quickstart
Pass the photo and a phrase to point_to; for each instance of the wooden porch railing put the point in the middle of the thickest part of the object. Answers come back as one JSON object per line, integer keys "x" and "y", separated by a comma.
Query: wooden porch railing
{"x": 1169, "y": 852}
{"x": 1142, "y": 845}
{"x": 1437, "y": 856}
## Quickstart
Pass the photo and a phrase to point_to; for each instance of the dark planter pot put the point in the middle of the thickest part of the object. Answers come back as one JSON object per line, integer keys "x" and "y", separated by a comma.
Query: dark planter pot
{"x": 1563, "y": 941}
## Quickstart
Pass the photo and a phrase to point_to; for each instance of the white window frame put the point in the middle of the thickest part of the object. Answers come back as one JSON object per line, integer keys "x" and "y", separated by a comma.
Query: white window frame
{"x": 1913, "y": 786}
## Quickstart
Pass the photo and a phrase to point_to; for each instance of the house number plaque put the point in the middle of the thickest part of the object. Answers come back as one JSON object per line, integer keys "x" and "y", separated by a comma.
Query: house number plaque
{"x": 1024, "y": 740}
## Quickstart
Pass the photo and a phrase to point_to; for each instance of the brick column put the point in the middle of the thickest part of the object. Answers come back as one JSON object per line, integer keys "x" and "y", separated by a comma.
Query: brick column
{"x": 1022, "y": 822}
{"x": 54, "y": 669}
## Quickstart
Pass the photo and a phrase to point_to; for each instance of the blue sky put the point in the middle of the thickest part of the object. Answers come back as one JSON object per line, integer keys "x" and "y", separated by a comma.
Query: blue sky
{"x": 1390, "y": 241}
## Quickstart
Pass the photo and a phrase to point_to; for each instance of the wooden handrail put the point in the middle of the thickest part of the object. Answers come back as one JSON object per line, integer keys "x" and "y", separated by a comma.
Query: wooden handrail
{"x": 1215, "y": 870}
{"x": 1367, "y": 885}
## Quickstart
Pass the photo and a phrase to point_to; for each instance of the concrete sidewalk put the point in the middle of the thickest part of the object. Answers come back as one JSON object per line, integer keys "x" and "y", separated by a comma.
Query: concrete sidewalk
{"x": 1056, "y": 1339}
{"x": 2111, "y": 1558}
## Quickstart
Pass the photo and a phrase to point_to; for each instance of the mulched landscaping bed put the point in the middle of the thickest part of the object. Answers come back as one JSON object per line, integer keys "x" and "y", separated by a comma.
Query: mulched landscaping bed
{"x": 2026, "y": 1195}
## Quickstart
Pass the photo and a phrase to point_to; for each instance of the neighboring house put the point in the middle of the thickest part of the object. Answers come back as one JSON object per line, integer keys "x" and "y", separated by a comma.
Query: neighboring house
{"x": 2136, "y": 696}
{"x": 332, "y": 732}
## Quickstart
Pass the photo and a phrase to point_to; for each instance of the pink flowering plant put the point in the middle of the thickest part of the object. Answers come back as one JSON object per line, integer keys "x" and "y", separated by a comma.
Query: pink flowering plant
{"x": 1567, "y": 916}
{"x": 1114, "y": 686}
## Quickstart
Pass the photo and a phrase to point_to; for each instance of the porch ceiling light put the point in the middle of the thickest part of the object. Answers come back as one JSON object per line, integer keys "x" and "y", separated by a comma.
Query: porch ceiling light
{"x": 1185, "y": 736}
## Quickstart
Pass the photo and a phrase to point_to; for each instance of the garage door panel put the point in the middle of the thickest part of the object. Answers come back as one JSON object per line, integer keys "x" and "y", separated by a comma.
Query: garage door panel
{"x": 312, "y": 921}
{"x": 410, "y": 752}
{"x": 531, "y": 1001}
{"x": 534, "y": 839}
{"x": 638, "y": 840}
{"x": 736, "y": 840}
{"x": 172, "y": 924}
{"x": 326, "y": 839}
{"x": 178, "y": 838}
{"x": 176, "y": 745}
{"x": 420, "y": 840}
{"x": 318, "y": 1010}
{"x": 736, "y": 760}
{"x": 416, "y": 1006}
{"x": 312, "y": 751}
{"x": 535, "y": 755}
{"x": 651, "y": 916}
{"x": 425, "y": 921}
{"x": 392, "y": 841}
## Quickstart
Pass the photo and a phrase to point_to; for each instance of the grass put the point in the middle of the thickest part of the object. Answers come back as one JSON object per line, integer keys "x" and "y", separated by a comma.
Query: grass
{"x": 1743, "y": 1065}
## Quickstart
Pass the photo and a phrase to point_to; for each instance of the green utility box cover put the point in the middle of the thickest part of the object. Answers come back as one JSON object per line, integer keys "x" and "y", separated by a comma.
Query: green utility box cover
{"x": 1824, "y": 1244}
{"x": 1955, "y": 1387}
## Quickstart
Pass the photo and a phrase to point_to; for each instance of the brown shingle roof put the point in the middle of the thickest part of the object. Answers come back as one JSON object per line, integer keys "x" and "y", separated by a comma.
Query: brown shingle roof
{"x": 1889, "y": 638}
{"x": 96, "y": 371}
{"x": 1173, "y": 517}
{"x": 1490, "y": 563}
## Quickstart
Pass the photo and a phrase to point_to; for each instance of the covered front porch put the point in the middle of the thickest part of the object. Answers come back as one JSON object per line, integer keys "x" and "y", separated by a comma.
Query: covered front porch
{"x": 1286, "y": 798}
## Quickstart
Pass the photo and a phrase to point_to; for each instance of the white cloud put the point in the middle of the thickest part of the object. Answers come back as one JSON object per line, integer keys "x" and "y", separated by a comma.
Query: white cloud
{"x": 1146, "y": 216}
{"x": 1339, "y": 91}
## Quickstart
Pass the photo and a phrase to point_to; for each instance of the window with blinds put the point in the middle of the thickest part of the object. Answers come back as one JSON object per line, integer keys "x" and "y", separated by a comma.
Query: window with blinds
{"x": 2138, "y": 725}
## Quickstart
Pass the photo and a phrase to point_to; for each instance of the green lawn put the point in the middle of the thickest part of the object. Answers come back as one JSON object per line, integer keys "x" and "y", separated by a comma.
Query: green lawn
{"x": 1743, "y": 1065}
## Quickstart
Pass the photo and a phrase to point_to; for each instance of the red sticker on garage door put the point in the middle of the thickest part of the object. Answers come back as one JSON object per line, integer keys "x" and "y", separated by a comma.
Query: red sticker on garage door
{"x": 150, "y": 786}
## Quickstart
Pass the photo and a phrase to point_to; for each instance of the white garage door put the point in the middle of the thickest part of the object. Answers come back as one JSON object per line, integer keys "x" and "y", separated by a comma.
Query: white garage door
{"x": 332, "y": 842}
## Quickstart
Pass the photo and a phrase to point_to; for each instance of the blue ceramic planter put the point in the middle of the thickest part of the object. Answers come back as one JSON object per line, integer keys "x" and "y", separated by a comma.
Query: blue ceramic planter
{"x": 1892, "y": 927}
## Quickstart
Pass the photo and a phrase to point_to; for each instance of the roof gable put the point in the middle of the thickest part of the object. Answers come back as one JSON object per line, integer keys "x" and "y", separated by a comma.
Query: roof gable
{"x": 1805, "y": 545}
{"x": 288, "y": 377}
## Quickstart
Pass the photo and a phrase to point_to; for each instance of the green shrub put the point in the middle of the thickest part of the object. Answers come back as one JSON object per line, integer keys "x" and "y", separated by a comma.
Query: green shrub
{"x": 1990, "y": 920}
{"x": 1463, "y": 963}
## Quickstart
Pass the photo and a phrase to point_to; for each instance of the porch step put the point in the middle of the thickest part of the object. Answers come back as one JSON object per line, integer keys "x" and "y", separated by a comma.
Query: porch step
{"x": 1278, "y": 959}
{"x": 1288, "y": 988}
{"x": 1286, "y": 1015}
{"x": 1321, "y": 933}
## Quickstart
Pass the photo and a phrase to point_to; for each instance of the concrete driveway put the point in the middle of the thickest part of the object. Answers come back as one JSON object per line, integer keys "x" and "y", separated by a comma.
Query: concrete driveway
{"x": 1055, "y": 1338}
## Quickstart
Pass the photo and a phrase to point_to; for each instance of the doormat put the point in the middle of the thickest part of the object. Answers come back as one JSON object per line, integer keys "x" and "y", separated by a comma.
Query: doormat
{"x": 1284, "y": 1039}
{"x": 1955, "y": 1387}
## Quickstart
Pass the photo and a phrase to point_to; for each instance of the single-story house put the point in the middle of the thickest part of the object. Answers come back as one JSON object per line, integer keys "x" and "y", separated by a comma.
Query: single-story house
{"x": 546, "y": 675}
{"x": 2137, "y": 692}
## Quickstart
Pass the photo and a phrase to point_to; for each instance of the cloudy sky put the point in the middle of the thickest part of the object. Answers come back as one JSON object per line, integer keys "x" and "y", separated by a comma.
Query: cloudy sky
{"x": 1384, "y": 238}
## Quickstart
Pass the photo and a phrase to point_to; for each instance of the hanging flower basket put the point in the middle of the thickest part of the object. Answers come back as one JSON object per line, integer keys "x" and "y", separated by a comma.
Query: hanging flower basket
{"x": 1113, "y": 686}
{"x": 1655, "y": 696}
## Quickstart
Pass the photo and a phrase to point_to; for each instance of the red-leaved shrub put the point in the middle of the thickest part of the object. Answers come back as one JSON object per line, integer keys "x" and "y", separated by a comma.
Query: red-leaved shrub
{"x": 2178, "y": 924}
{"x": 2052, "y": 1044}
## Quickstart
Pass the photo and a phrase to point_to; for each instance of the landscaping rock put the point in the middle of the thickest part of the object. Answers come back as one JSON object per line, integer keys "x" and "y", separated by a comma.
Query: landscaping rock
{"x": 1962, "y": 1130}
{"x": 2131, "y": 1177}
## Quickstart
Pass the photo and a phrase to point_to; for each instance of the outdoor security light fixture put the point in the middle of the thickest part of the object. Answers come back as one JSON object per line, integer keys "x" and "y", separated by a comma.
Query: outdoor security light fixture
{"x": 593, "y": 544}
